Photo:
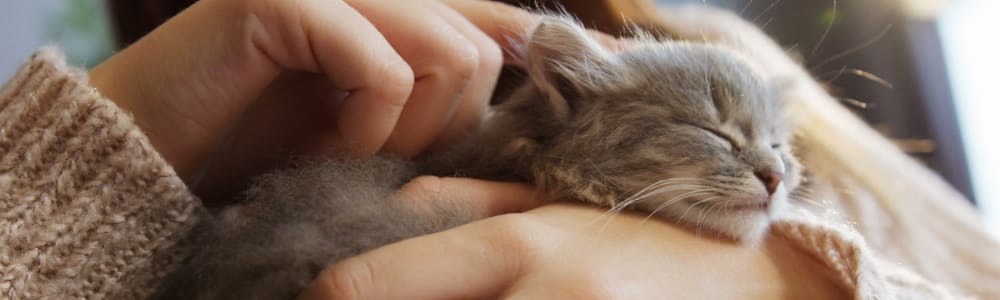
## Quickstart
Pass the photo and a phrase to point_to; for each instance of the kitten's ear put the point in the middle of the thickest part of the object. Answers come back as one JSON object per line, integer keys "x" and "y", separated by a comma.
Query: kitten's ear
{"x": 566, "y": 64}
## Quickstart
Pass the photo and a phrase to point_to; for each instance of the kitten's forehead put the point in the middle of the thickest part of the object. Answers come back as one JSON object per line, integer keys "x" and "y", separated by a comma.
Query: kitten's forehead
{"x": 701, "y": 82}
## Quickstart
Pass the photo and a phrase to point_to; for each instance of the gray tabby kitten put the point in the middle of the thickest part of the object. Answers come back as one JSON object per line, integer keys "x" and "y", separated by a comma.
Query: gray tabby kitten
{"x": 684, "y": 131}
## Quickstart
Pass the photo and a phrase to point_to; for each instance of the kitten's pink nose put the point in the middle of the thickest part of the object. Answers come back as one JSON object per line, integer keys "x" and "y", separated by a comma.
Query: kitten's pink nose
{"x": 770, "y": 180}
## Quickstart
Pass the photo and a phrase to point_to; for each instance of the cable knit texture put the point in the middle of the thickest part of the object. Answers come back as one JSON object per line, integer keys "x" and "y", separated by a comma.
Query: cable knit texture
{"x": 88, "y": 210}
{"x": 841, "y": 249}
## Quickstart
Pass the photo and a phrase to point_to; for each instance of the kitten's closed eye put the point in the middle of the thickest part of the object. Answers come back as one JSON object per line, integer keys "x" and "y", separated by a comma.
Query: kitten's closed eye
{"x": 721, "y": 136}
{"x": 725, "y": 138}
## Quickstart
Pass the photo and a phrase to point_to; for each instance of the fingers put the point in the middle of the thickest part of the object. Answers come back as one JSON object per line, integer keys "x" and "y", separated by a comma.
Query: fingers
{"x": 417, "y": 72}
{"x": 475, "y": 261}
{"x": 509, "y": 26}
{"x": 505, "y": 24}
{"x": 443, "y": 61}
{"x": 332, "y": 38}
{"x": 476, "y": 96}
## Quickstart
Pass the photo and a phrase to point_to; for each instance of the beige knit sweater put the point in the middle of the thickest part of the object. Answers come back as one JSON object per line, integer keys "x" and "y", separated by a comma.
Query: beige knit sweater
{"x": 89, "y": 210}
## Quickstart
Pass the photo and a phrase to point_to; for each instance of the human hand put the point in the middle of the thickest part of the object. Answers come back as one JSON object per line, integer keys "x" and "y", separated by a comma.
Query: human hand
{"x": 568, "y": 251}
{"x": 230, "y": 88}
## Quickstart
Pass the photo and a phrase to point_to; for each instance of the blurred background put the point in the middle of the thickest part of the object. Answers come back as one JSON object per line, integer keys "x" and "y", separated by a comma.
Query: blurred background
{"x": 80, "y": 27}
{"x": 919, "y": 71}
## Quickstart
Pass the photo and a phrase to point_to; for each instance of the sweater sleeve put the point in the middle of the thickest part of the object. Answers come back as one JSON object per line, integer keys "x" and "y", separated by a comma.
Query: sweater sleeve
{"x": 88, "y": 209}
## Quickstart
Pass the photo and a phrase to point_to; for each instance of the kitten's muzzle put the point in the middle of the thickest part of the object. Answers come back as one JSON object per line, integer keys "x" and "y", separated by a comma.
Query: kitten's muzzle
{"x": 770, "y": 179}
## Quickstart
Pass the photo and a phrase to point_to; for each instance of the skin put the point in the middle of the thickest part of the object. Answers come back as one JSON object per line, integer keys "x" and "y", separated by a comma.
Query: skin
{"x": 229, "y": 89}
{"x": 571, "y": 251}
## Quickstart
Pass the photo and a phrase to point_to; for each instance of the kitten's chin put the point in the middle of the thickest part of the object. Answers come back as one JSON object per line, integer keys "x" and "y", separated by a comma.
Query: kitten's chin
{"x": 747, "y": 225}
{"x": 744, "y": 226}
{"x": 747, "y": 229}
{"x": 750, "y": 226}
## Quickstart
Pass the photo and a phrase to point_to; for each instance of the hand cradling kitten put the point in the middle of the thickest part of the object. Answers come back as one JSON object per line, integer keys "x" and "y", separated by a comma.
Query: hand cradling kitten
{"x": 688, "y": 132}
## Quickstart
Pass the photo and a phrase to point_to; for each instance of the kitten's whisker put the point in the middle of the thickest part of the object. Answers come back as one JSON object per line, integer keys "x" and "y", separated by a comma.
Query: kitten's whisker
{"x": 810, "y": 201}
{"x": 803, "y": 193}
{"x": 768, "y": 22}
{"x": 674, "y": 180}
{"x": 662, "y": 190}
{"x": 697, "y": 224}
{"x": 860, "y": 73}
{"x": 711, "y": 209}
{"x": 658, "y": 189}
{"x": 617, "y": 208}
{"x": 654, "y": 187}
{"x": 807, "y": 196}
{"x": 850, "y": 51}
{"x": 621, "y": 206}
{"x": 709, "y": 199}
{"x": 826, "y": 32}
{"x": 659, "y": 184}
{"x": 765, "y": 11}
{"x": 609, "y": 215}
{"x": 696, "y": 204}
{"x": 803, "y": 190}
{"x": 678, "y": 199}
{"x": 745, "y": 7}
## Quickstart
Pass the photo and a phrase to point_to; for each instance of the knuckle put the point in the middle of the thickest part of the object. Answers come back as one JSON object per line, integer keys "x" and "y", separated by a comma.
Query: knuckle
{"x": 592, "y": 284}
{"x": 462, "y": 58}
{"x": 521, "y": 233}
{"x": 395, "y": 80}
{"x": 491, "y": 56}
{"x": 424, "y": 187}
{"x": 350, "y": 279}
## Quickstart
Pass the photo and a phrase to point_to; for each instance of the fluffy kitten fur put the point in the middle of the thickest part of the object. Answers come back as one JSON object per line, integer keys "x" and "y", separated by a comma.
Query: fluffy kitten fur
{"x": 295, "y": 222}
{"x": 684, "y": 131}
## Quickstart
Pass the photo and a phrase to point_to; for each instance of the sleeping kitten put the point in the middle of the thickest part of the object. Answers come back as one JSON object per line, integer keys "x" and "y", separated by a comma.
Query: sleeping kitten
{"x": 685, "y": 131}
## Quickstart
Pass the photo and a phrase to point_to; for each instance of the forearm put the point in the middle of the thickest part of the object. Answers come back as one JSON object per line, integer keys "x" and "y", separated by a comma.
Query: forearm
{"x": 89, "y": 208}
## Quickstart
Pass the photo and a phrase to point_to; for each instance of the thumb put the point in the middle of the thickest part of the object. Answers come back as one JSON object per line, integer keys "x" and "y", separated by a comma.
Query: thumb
{"x": 473, "y": 261}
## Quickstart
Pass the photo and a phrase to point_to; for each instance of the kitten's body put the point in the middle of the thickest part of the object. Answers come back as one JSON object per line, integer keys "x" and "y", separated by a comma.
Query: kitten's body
{"x": 688, "y": 132}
